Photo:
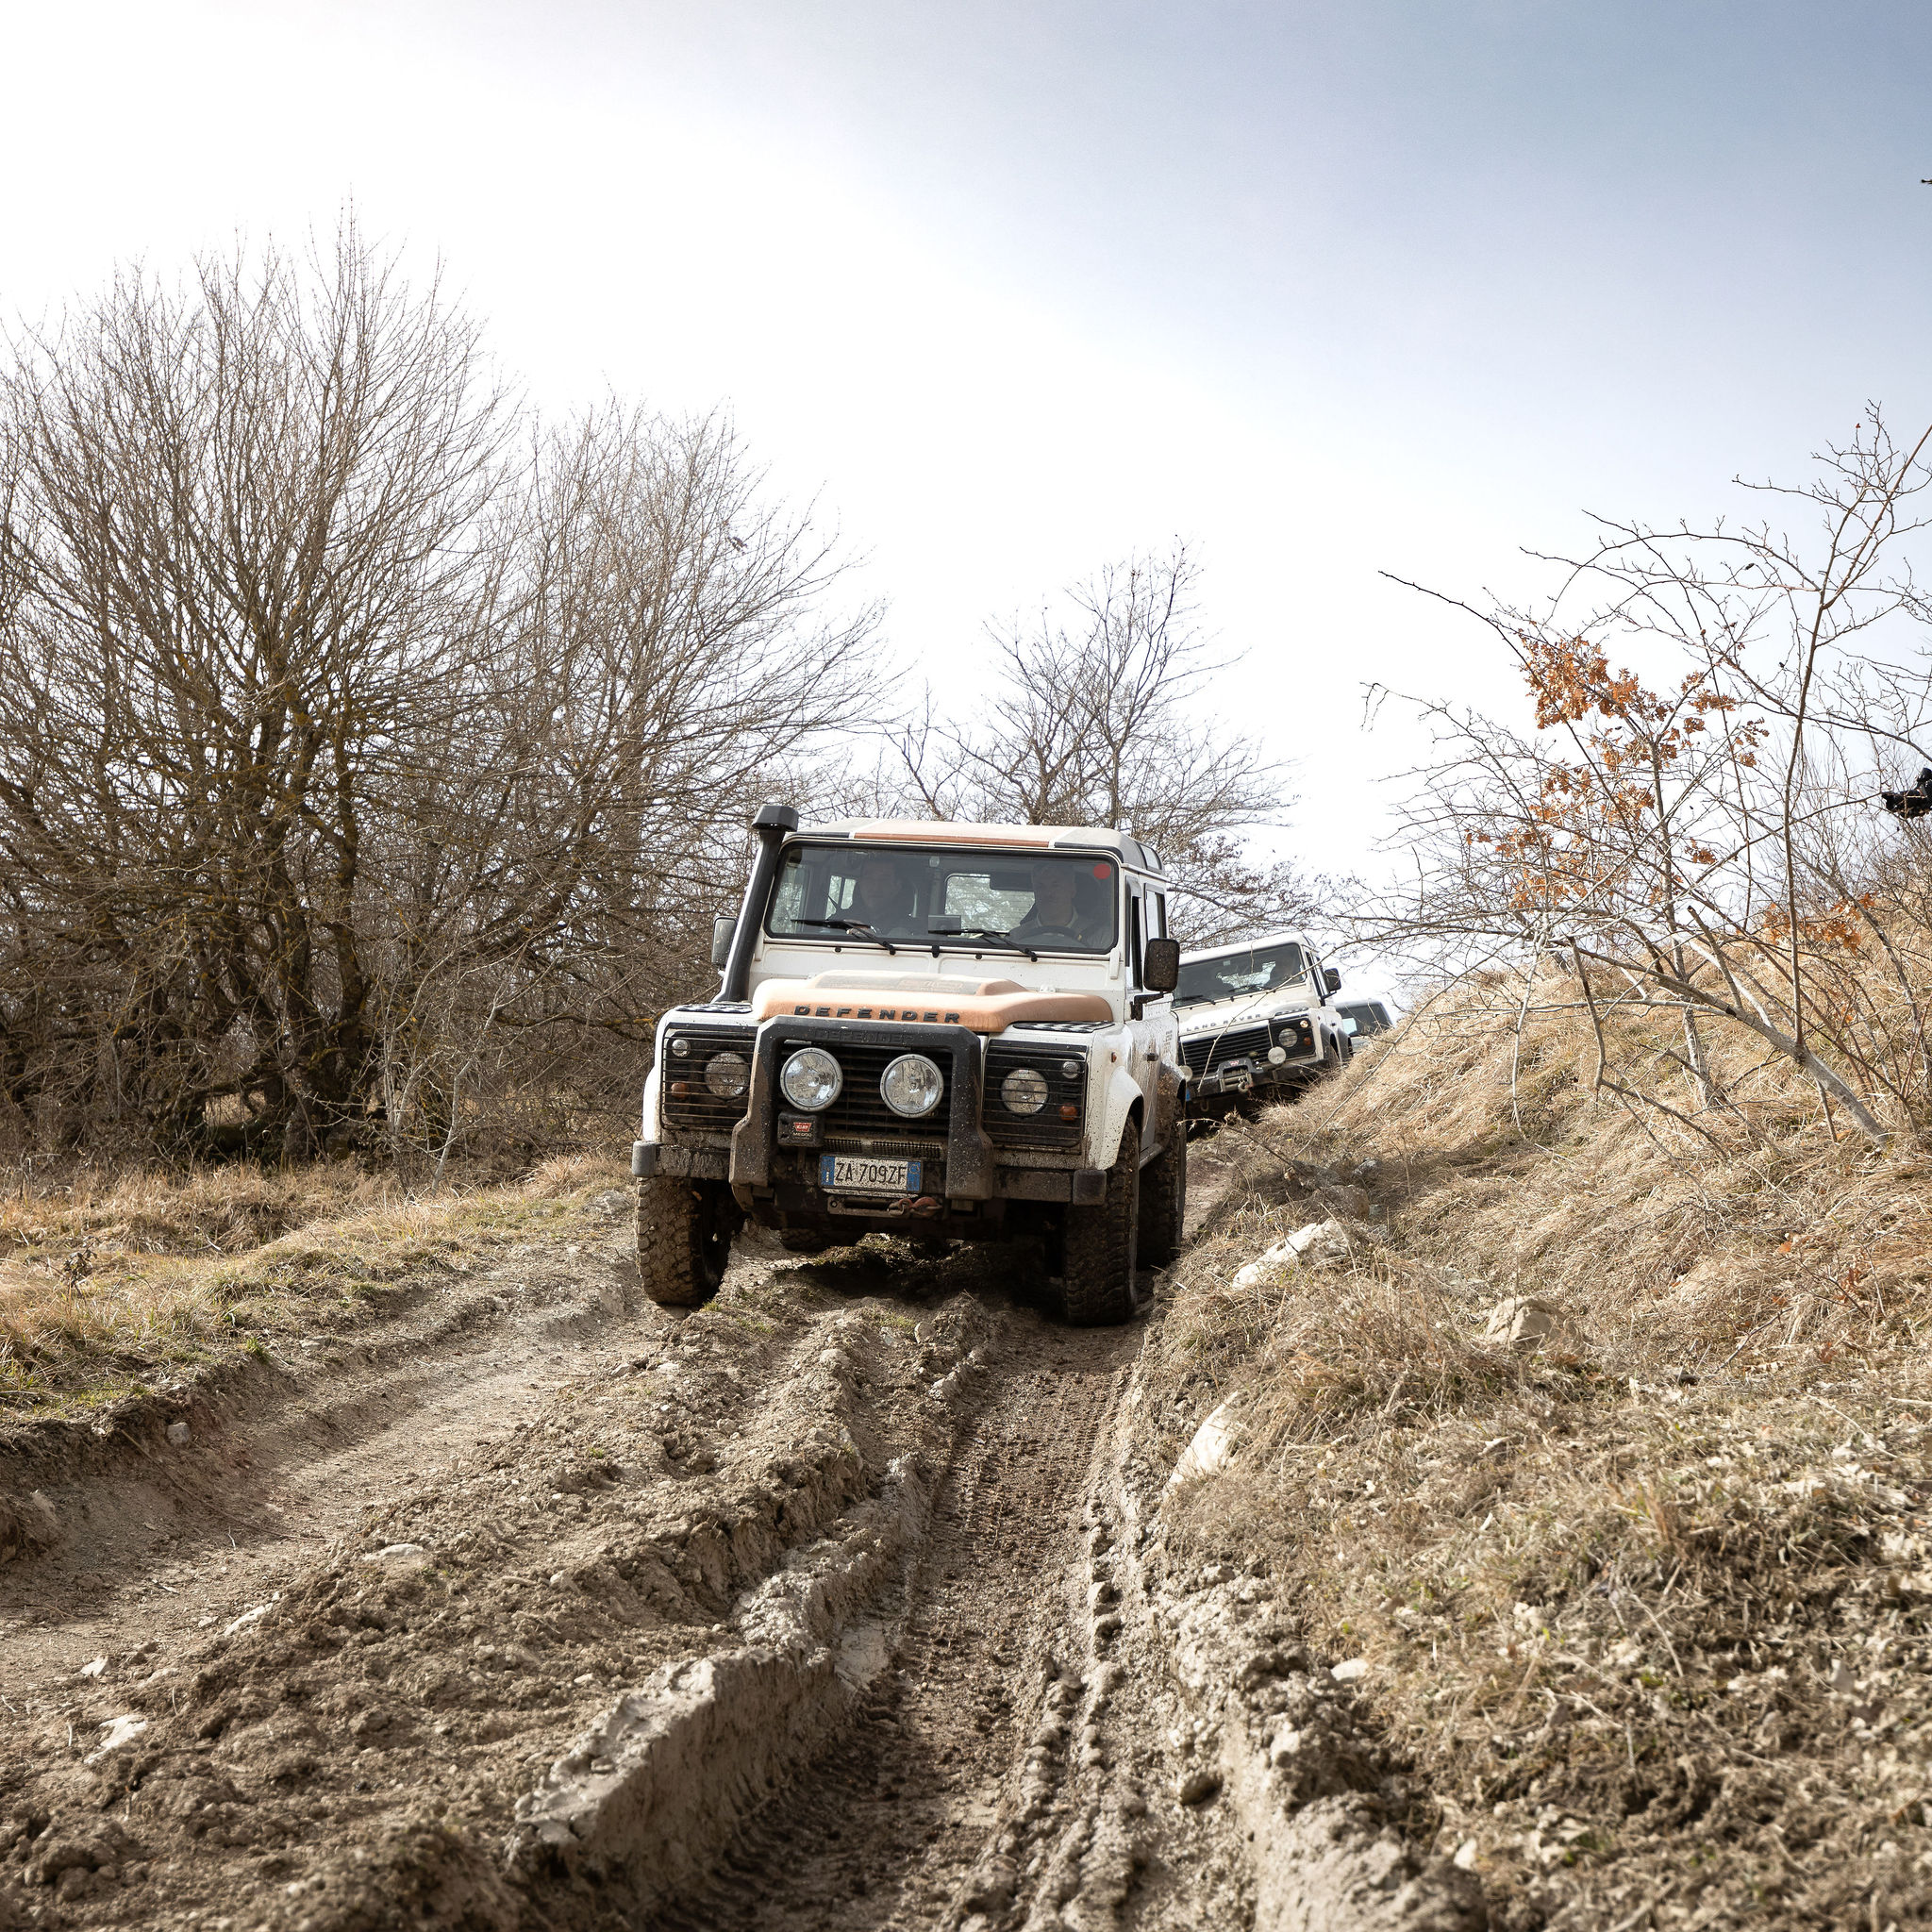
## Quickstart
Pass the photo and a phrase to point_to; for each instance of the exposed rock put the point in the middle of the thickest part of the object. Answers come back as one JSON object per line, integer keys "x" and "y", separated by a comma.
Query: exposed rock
{"x": 1213, "y": 1446}
{"x": 1526, "y": 1322}
{"x": 120, "y": 1730}
{"x": 178, "y": 1434}
{"x": 1318, "y": 1244}
{"x": 400, "y": 1556}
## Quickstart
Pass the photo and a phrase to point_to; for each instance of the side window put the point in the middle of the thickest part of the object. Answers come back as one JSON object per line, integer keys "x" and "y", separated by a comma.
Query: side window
{"x": 1160, "y": 915}
{"x": 1133, "y": 935}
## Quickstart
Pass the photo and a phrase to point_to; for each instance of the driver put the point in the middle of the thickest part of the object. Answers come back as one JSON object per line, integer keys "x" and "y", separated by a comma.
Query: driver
{"x": 1056, "y": 910}
{"x": 883, "y": 896}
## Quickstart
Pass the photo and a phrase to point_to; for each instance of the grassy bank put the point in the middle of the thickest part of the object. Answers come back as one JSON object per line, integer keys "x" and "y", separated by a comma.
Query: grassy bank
{"x": 1644, "y": 1599}
{"x": 106, "y": 1283}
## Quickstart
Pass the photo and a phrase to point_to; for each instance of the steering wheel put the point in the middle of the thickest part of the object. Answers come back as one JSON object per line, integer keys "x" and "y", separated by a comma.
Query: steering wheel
{"x": 1064, "y": 932}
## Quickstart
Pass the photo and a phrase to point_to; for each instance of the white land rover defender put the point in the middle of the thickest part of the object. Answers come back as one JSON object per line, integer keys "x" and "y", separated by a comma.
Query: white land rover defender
{"x": 1255, "y": 1019}
{"x": 949, "y": 1030}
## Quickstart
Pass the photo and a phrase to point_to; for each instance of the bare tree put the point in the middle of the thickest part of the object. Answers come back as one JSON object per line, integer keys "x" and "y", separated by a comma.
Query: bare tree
{"x": 1710, "y": 847}
{"x": 1096, "y": 720}
{"x": 359, "y": 739}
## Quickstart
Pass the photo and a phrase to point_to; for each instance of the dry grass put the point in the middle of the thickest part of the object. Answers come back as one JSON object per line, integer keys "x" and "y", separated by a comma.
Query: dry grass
{"x": 1647, "y": 1609}
{"x": 105, "y": 1284}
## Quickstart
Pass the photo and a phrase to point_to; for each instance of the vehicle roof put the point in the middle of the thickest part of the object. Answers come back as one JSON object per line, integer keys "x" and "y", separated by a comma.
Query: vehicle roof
{"x": 956, "y": 832}
{"x": 1265, "y": 938}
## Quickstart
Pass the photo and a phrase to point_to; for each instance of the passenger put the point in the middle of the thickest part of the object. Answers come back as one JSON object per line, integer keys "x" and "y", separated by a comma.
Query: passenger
{"x": 1056, "y": 913}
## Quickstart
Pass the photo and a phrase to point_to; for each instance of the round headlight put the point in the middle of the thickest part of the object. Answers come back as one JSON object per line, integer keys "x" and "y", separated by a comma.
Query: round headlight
{"x": 728, "y": 1074}
{"x": 911, "y": 1085}
{"x": 1023, "y": 1091}
{"x": 681, "y": 1047}
{"x": 810, "y": 1079}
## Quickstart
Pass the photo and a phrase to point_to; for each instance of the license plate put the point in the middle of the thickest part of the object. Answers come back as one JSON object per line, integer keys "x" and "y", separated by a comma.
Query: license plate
{"x": 862, "y": 1175}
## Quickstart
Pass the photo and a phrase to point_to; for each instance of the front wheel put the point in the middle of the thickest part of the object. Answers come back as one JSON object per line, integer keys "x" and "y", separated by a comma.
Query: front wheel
{"x": 684, "y": 1239}
{"x": 1164, "y": 1200}
{"x": 1097, "y": 1276}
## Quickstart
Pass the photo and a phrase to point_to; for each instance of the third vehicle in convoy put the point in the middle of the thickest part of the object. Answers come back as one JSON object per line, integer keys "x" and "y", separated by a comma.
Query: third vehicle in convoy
{"x": 1256, "y": 1019}
{"x": 961, "y": 1031}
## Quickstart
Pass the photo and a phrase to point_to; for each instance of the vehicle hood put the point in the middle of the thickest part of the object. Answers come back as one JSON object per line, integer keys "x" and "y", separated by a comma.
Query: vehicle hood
{"x": 1222, "y": 1014}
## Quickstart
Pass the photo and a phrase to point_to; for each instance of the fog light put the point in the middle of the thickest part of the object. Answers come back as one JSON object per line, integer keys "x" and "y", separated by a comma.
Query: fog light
{"x": 1023, "y": 1091}
{"x": 911, "y": 1085}
{"x": 1277, "y": 1053}
{"x": 728, "y": 1074}
{"x": 810, "y": 1079}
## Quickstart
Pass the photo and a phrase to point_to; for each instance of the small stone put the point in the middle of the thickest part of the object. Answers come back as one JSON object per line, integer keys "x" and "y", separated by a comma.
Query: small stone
{"x": 120, "y": 1730}
{"x": 1197, "y": 1787}
{"x": 178, "y": 1434}
{"x": 94, "y": 1668}
{"x": 559, "y": 1578}
{"x": 249, "y": 1618}
{"x": 1464, "y": 1860}
{"x": 403, "y": 1554}
{"x": 1525, "y": 1322}
{"x": 1347, "y": 1673}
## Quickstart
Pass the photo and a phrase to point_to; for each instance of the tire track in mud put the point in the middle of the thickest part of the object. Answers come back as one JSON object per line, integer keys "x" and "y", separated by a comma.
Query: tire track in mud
{"x": 883, "y": 1828}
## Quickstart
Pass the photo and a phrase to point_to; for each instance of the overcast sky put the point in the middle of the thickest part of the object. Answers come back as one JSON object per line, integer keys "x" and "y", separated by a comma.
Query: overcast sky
{"x": 1014, "y": 290}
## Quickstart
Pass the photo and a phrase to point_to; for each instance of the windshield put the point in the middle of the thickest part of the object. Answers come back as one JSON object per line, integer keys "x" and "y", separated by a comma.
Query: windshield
{"x": 930, "y": 897}
{"x": 1235, "y": 976}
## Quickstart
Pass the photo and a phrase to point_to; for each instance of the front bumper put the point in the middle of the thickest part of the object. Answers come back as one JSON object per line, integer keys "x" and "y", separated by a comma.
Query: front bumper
{"x": 965, "y": 1166}
{"x": 1246, "y": 1076}
{"x": 1082, "y": 1186}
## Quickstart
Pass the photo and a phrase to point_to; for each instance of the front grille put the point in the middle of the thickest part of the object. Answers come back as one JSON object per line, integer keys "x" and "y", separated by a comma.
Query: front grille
{"x": 861, "y": 1114}
{"x": 700, "y": 1108}
{"x": 1044, "y": 1129}
{"x": 932, "y": 1151}
{"x": 1213, "y": 1049}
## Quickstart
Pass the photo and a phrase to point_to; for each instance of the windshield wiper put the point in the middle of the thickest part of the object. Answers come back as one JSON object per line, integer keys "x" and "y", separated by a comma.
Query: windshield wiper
{"x": 986, "y": 932}
{"x": 861, "y": 926}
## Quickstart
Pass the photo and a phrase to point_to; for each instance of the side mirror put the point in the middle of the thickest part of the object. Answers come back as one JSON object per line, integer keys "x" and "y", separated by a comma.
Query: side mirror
{"x": 1331, "y": 980}
{"x": 724, "y": 928}
{"x": 1161, "y": 965}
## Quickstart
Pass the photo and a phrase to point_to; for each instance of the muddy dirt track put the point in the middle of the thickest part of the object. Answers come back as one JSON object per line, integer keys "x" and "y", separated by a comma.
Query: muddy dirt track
{"x": 836, "y": 1604}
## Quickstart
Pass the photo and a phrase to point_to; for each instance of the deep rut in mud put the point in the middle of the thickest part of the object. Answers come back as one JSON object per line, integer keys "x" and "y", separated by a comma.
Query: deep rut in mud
{"x": 886, "y": 1828}
{"x": 836, "y": 1604}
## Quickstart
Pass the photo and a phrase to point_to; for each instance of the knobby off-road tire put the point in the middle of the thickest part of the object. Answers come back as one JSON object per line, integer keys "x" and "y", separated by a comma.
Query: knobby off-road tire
{"x": 684, "y": 1239}
{"x": 1097, "y": 1277}
{"x": 1164, "y": 1200}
